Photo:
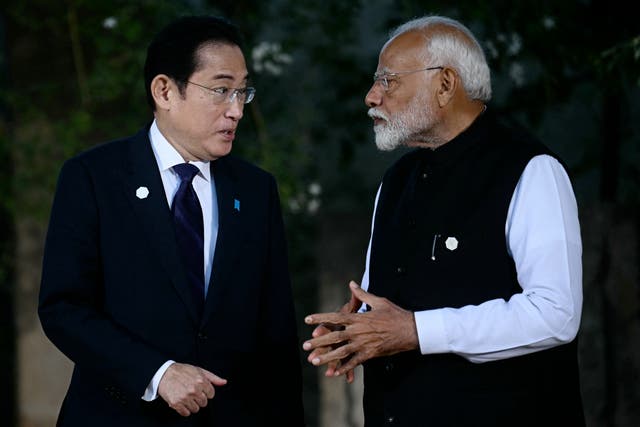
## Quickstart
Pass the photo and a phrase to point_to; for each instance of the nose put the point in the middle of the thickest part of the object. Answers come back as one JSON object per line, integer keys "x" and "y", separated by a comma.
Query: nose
{"x": 235, "y": 109}
{"x": 374, "y": 96}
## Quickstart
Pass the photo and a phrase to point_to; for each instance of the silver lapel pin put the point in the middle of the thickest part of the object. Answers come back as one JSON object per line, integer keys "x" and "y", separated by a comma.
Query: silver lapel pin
{"x": 142, "y": 193}
{"x": 451, "y": 243}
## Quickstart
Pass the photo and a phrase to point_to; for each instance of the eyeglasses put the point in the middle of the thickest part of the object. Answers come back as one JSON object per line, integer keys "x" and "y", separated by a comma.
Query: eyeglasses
{"x": 228, "y": 94}
{"x": 386, "y": 79}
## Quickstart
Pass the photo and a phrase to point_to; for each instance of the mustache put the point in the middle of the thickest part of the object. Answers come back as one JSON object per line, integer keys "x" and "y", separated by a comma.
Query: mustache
{"x": 375, "y": 114}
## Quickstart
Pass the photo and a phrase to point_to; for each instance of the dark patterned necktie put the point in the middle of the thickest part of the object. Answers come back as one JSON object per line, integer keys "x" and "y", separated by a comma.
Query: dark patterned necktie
{"x": 187, "y": 215}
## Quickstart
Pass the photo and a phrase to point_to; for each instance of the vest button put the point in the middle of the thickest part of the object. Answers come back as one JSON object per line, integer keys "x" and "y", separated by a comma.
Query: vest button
{"x": 202, "y": 336}
{"x": 400, "y": 270}
{"x": 425, "y": 175}
{"x": 390, "y": 419}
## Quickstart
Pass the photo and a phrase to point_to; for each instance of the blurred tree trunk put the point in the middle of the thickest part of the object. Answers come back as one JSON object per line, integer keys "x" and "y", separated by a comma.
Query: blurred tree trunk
{"x": 341, "y": 253}
{"x": 610, "y": 335}
{"x": 43, "y": 372}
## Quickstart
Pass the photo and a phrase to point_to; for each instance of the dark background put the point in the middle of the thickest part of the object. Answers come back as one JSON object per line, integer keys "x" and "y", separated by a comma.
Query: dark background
{"x": 71, "y": 77}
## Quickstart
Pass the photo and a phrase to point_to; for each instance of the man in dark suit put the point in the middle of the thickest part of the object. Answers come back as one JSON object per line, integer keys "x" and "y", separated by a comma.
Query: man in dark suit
{"x": 165, "y": 276}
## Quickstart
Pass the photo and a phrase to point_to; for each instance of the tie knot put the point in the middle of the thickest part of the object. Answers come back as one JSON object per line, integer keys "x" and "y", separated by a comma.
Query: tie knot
{"x": 185, "y": 171}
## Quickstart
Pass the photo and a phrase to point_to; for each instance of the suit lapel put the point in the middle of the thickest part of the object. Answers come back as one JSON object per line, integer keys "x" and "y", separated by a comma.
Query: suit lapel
{"x": 154, "y": 214}
{"x": 229, "y": 233}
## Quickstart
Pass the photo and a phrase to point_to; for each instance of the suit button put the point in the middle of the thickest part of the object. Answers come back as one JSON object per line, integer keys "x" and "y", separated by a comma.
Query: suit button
{"x": 400, "y": 270}
{"x": 390, "y": 419}
{"x": 426, "y": 173}
{"x": 388, "y": 367}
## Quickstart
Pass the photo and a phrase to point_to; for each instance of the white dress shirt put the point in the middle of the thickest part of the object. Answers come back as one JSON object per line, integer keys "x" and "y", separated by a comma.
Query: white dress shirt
{"x": 167, "y": 157}
{"x": 543, "y": 235}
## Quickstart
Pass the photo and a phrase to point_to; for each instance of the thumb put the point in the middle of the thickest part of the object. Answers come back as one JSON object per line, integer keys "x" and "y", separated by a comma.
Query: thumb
{"x": 214, "y": 379}
{"x": 361, "y": 294}
{"x": 354, "y": 303}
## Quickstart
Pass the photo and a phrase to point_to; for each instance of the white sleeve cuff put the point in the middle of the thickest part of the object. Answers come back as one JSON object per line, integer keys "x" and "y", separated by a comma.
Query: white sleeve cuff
{"x": 432, "y": 335}
{"x": 151, "y": 392}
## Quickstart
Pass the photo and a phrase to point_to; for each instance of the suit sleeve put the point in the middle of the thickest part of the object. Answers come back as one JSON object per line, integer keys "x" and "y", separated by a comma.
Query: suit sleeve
{"x": 281, "y": 344}
{"x": 72, "y": 292}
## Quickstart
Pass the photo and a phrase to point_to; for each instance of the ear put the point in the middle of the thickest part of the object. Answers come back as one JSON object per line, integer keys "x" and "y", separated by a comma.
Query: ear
{"x": 162, "y": 89}
{"x": 448, "y": 85}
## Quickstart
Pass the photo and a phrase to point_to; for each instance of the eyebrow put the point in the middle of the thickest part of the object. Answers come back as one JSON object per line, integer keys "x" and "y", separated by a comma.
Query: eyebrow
{"x": 223, "y": 76}
{"x": 382, "y": 71}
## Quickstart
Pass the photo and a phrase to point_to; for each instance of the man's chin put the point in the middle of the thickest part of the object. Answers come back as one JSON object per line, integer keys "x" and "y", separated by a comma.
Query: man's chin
{"x": 386, "y": 146}
{"x": 386, "y": 140}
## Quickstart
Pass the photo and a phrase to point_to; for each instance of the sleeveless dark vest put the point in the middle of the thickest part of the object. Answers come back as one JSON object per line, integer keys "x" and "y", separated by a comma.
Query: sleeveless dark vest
{"x": 462, "y": 190}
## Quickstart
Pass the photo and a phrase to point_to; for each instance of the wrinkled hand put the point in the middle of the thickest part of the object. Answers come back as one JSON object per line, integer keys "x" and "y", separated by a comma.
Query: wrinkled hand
{"x": 350, "y": 307}
{"x": 187, "y": 388}
{"x": 357, "y": 337}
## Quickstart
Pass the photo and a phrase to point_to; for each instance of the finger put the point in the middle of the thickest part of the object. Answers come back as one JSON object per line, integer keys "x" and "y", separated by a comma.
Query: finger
{"x": 180, "y": 409}
{"x": 213, "y": 378}
{"x": 350, "y": 365}
{"x": 363, "y": 295}
{"x": 317, "y": 352}
{"x": 331, "y": 369}
{"x": 329, "y": 320}
{"x": 351, "y": 375}
{"x": 208, "y": 390}
{"x": 201, "y": 400}
{"x": 192, "y": 406}
{"x": 336, "y": 355}
{"x": 320, "y": 330}
{"x": 204, "y": 400}
{"x": 326, "y": 340}
{"x": 354, "y": 304}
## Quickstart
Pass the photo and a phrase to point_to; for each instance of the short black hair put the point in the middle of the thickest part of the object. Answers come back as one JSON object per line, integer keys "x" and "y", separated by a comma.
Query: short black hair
{"x": 173, "y": 51}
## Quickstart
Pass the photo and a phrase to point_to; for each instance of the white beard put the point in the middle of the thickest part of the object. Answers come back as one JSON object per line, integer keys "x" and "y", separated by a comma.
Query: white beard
{"x": 404, "y": 126}
{"x": 390, "y": 133}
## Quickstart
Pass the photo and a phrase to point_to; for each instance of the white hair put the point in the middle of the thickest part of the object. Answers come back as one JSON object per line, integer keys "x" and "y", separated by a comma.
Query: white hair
{"x": 457, "y": 49}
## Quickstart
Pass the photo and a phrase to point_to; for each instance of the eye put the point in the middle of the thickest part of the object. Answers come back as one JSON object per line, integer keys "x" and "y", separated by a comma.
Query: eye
{"x": 385, "y": 79}
{"x": 220, "y": 90}
{"x": 391, "y": 81}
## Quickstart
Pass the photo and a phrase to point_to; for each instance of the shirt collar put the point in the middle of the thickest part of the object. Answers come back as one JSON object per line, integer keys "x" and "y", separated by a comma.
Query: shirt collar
{"x": 168, "y": 156}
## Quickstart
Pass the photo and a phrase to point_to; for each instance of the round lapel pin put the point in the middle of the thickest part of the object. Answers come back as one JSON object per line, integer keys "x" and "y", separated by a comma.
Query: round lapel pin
{"x": 451, "y": 243}
{"x": 142, "y": 193}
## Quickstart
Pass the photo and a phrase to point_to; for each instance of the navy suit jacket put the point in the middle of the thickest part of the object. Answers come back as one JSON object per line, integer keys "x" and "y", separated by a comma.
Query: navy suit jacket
{"x": 114, "y": 296}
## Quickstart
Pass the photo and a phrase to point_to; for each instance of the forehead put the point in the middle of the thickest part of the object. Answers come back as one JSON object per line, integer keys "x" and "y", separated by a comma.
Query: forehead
{"x": 405, "y": 52}
{"x": 221, "y": 60}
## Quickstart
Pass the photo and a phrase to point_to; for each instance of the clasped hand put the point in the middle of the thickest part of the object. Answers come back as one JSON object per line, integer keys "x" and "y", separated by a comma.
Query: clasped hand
{"x": 187, "y": 388}
{"x": 345, "y": 339}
